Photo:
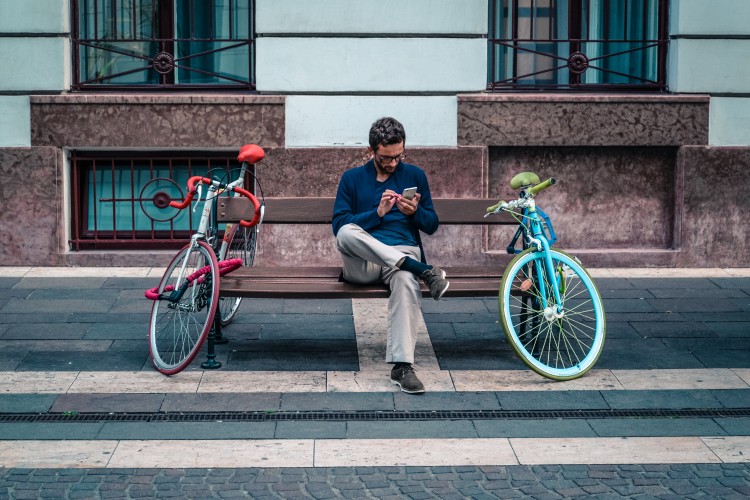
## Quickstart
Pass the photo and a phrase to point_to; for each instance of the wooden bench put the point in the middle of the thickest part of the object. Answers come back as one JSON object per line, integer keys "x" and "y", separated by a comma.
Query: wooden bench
{"x": 326, "y": 282}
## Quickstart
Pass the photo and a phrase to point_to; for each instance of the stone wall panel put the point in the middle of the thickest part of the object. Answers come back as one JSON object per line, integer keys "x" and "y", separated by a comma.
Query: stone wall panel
{"x": 31, "y": 203}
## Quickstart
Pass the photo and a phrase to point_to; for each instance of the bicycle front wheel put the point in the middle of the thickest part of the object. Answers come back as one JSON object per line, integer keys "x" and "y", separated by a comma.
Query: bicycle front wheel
{"x": 557, "y": 345}
{"x": 181, "y": 320}
{"x": 241, "y": 245}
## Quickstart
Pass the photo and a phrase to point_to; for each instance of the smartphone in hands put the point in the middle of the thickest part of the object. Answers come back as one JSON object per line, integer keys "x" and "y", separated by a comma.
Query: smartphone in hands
{"x": 409, "y": 193}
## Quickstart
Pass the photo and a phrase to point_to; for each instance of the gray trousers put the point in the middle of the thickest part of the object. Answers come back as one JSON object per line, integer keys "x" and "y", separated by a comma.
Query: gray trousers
{"x": 367, "y": 260}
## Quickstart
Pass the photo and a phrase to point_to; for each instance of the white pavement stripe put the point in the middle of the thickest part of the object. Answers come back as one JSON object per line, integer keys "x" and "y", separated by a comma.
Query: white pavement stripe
{"x": 156, "y": 272}
{"x": 613, "y": 450}
{"x": 56, "y": 454}
{"x": 372, "y": 452}
{"x": 371, "y": 330}
{"x": 191, "y": 381}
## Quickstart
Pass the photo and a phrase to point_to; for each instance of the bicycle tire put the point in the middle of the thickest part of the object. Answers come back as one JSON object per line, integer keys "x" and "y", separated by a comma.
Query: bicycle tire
{"x": 242, "y": 244}
{"x": 178, "y": 329}
{"x": 556, "y": 348}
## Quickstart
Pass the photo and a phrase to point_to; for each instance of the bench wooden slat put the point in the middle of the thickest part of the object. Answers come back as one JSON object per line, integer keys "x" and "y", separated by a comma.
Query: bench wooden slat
{"x": 311, "y": 210}
{"x": 333, "y": 272}
{"x": 323, "y": 282}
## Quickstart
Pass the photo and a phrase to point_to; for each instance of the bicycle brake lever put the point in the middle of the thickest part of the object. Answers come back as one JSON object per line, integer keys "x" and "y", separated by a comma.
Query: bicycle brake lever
{"x": 198, "y": 189}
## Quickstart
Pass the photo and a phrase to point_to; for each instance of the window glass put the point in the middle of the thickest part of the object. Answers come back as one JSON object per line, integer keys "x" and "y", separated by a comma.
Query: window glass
{"x": 577, "y": 43}
{"x": 121, "y": 200}
{"x": 163, "y": 43}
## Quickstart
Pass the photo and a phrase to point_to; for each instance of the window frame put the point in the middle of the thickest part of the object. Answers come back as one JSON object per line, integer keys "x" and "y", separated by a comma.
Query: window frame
{"x": 167, "y": 65}
{"x": 84, "y": 237}
{"x": 574, "y": 62}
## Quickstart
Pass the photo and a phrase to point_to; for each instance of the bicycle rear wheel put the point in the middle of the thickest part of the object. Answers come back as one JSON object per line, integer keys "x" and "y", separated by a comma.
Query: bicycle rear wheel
{"x": 180, "y": 324}
{"x": 559, "y": 348}
{"x": 241, "y": 244}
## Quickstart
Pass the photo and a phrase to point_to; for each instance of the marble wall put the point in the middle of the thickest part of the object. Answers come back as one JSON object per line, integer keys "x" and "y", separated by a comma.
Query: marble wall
{"x": 143, "y": 121}
{"x": 582, "y": 120}
{"x": 31, "y": 197}
{"x": 637, "y": 184}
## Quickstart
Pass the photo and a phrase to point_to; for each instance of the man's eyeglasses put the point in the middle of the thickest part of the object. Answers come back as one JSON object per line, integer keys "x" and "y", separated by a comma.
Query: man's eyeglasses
{"x": 388, "y": 159}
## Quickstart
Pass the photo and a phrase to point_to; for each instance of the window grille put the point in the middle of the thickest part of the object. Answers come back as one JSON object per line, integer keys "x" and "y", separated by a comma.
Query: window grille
{"x": 577, "y": 44}
{"x": 163, "y": 44}
{"x": 120, "y": 201}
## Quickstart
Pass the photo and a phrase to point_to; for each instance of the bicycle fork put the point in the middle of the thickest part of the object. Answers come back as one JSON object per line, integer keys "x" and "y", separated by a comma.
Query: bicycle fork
{"x": 548, "y": 275}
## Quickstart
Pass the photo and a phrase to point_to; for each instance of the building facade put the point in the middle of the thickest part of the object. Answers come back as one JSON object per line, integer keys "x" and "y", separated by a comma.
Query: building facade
{"x": 638, "y": 107}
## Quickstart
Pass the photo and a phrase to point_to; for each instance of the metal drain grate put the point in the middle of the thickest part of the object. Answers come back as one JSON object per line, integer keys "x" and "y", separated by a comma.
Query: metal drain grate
{"x": 266, "y": 416}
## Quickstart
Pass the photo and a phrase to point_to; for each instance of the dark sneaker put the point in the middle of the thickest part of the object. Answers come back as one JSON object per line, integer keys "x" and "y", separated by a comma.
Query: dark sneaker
{"x": 435, "y": 279}
{"x": 406, "y": 379}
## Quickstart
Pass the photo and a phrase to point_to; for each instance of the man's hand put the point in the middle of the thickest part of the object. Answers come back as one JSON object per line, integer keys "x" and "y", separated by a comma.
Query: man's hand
{"x": 407, "y": 207}
{"x": 387, "y": 201}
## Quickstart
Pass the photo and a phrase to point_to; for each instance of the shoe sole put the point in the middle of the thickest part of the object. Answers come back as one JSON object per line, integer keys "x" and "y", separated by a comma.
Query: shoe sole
{"x": 447, "y": 284}
{"x": 395, "y": 382}
{"x": 442, "y": 292}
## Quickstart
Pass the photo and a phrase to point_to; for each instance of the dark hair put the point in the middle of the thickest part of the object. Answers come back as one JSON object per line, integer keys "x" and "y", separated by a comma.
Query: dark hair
{"x": 386, "y": 131}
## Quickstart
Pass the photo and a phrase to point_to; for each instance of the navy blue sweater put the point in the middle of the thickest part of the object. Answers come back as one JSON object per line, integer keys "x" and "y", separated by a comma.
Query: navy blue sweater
{"x": 355, "y": 199}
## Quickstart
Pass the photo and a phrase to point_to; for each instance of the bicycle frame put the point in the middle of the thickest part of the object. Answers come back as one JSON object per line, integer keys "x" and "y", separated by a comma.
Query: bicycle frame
{"x": 208, "y": 228}
{"x": 532, "y": 230}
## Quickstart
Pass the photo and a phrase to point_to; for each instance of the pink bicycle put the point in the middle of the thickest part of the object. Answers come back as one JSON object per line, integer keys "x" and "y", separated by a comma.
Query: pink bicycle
{"x": 187, "y": 299}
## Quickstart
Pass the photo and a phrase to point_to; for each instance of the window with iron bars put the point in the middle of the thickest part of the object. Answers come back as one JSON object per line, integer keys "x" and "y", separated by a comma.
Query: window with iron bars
{"x": 577, "y": 45}
{"x": 163, "y": 44}
{"x": 121, "y": 201}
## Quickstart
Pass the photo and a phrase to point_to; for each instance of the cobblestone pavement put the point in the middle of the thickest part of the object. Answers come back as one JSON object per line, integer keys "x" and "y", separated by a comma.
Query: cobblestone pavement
{"x": 724, "y": 481}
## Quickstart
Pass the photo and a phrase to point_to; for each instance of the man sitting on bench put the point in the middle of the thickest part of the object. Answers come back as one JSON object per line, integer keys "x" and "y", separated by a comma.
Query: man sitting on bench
{"x": 376, "y": 221}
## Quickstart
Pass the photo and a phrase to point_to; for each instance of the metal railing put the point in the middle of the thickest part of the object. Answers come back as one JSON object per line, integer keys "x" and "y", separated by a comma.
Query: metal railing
{"x": 165, "y": 44}
{"x": 121, "y": 201}
{"x": 577, "y": 45}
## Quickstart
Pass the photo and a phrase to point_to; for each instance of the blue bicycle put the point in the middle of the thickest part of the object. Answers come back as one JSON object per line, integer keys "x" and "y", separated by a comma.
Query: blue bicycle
{"x": 550, "y": 308}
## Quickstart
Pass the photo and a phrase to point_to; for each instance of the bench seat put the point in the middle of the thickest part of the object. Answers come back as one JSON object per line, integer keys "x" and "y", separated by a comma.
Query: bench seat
{"x": 326, "y": 283}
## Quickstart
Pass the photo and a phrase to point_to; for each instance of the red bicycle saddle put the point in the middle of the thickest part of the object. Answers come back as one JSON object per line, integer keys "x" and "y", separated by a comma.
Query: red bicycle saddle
{"x": 251, "y": 153}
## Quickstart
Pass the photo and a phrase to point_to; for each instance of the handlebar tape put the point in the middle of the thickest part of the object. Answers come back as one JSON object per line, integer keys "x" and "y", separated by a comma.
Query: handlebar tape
{"x": 191, "y": 194}
{"x": 494, "y": 207}
{"x": 532, "y": 190}
{"x": 256, "y": 204}
{"x": 541, "y": 187}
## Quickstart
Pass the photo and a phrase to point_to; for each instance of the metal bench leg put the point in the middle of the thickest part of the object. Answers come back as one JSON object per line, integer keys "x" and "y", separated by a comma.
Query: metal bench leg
{"x": 211, "y": 363}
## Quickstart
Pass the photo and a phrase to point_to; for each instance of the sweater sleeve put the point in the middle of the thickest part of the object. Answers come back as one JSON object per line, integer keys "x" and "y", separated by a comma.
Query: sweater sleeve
{"x": 425, "y": 218}
{"x": 344, "y": 207}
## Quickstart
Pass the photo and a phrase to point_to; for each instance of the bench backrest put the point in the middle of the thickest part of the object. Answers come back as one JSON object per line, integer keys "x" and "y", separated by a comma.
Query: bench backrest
{"x": 320, "y": 211}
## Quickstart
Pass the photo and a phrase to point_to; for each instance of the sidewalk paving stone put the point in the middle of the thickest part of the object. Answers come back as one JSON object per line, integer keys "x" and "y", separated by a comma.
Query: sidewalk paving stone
{"x": 337, "y": 401}
{"x": 187, "y": 430}
{"x": 108, "y": 403}
{"x": 409, "y": 429}
{"x": 661, "y": 399}
{"x": 26, "y": 403}
{"x": 732, "y": 398}
{"x": 220, "y": 402}
{"x": 49, "y": 431}
{"x": 44, "y": 331}
{"x": 84, "y": 361}
{"x": 650, "y": 354}
{"x": 555, "y": 400}
{"x": 655, "y": 427}
{"x": 737, "y": 426}
{"x": 310, "y": 430}
{"x": 523, "y": 428}
{"x": 59, "y": 282}
{"x": 447, "y": 401}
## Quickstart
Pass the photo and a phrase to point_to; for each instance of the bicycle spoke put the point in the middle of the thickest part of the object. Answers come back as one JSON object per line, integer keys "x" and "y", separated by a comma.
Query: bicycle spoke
{"x": 558, "y": 340}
